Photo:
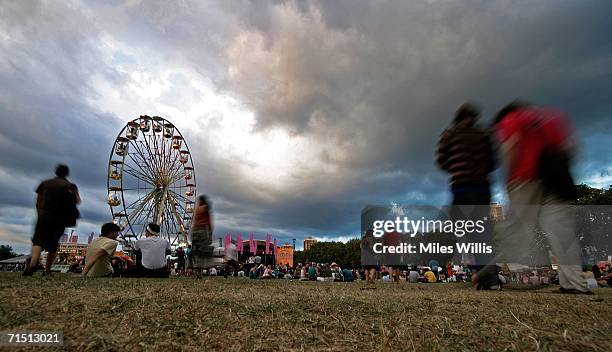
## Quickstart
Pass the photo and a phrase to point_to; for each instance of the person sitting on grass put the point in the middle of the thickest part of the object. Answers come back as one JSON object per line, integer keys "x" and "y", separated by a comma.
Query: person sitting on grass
{"x": 100, "y": 252}
{"x": 413, "y": 275}
{"x": 430, "y": 276}
{"x": 304, "y": 272}
{"x": 347, "y": 275}
{"x": 267, "y": 273}
{"x": 312, "y": 272}
{"x": 325, "y": 274}
{"x": 336, "y": 273}
{"x": 385, "y": 277}
{"x": 153, "y": 250}
{"x": 605, "y": 280}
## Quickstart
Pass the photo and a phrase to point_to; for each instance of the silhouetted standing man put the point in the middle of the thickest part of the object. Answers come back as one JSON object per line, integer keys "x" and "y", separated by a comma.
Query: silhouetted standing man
{"x": 56, "y": 201}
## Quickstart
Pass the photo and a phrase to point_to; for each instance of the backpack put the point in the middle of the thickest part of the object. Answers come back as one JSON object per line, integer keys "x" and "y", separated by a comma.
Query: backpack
{"x": 554, "y": 162}
{"x": 70, "y": 210}
{"x": 554, "y": 173}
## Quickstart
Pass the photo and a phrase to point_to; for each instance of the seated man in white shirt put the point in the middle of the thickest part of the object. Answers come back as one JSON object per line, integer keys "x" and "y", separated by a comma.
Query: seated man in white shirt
{"x": 153, "y": 251}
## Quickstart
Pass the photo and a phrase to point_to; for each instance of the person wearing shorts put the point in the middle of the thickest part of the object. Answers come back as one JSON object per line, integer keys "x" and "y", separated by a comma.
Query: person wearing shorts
{"x": 56, "y": 199}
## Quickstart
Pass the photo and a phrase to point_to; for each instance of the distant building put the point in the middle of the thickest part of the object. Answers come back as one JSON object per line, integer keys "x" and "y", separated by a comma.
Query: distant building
{"x": 285, "y": 255}
{"x": 496, "y": 212}
{"x": 308, "y": 242}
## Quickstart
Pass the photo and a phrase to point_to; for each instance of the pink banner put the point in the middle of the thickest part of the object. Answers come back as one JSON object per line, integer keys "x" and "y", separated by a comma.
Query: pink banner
{"x": 275, "y": 246}
{"x": 267, "y": 243}
{"x": 252, "y": 244}
{"x": 227, "y": 241}
{"x": 239, "y": 243}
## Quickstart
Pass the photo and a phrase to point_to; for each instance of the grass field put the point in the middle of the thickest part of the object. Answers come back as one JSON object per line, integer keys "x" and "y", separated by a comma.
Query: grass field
{"x": 276, "y": 315}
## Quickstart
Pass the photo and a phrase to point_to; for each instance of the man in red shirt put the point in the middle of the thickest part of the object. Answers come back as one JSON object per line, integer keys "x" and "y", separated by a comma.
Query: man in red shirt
{"x": 527, "y": 134}
{"x": 393, "y": 238}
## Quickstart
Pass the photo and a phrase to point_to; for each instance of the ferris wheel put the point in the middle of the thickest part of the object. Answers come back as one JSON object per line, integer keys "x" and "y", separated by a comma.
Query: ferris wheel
{"x": 151, "y": 179}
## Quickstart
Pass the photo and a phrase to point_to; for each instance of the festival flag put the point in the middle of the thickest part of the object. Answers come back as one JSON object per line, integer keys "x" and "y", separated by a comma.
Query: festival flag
{"x": 90, "y": 238}
{"x": 239, "y": 243}
{"x": 227, "y": 241}
{"x": 275, "y": 246}
{"x": 252, "y": 244}
{"x": 267, "y": 243}
{"x": 64, "y": 238}
{"x": 74, "y": 238}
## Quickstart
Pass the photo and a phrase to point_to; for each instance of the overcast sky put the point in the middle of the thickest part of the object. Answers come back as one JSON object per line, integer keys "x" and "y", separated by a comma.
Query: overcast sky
{"x": 297, "y": 114}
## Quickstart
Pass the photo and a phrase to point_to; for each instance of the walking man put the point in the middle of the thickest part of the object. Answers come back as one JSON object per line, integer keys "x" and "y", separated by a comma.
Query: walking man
{"x": 537, "y": 145}
{"x": 56, "y": 201}
{"x": 465, "y": 151}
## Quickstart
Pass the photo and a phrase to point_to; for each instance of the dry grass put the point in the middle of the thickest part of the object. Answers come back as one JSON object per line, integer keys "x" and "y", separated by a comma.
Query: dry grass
{"x": 277, "y": 315}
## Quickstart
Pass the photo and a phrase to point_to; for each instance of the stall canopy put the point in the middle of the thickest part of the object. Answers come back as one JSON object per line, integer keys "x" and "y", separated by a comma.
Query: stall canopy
{"x": 16, "y": 260}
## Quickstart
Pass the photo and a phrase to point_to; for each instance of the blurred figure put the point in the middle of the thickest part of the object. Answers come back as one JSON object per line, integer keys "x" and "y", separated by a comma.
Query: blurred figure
{"x": 180, "y": 261}
{"x": 537, "y": 145}
{"x": 56, "y": 201}
{"x": 188, "y": 260}
{"x": 231, "y": 260}
{"x": 367, "y": 244}
{"x": 465, "y": 151}
{"x": 201, "y": 236}
{"x": 393, "y": 238}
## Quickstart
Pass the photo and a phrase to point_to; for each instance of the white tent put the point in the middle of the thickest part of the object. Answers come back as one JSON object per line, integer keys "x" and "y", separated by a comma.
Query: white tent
{"x": 16, "y": 260}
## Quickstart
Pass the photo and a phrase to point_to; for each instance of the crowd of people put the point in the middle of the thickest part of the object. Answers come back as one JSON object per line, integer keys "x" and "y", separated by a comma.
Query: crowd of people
{"x": 594, "y": 276}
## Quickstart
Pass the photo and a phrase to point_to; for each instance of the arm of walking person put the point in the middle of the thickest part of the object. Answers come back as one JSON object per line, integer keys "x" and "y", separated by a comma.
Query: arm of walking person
{"x": 509, "y": 150}
{"x": 77, "y": 197}
{"x": 442, "y": 152}
{"x": 95, "y": 257}
{"x": 39, "y": 201}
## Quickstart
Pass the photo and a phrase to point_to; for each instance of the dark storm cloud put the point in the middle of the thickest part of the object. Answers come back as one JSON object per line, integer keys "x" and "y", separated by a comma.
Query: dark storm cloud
{"x": 379, "y": 82}
{"x": 409, "y": 65}
{"x": 369, "y": 84}
{"x": 47, "y": 62}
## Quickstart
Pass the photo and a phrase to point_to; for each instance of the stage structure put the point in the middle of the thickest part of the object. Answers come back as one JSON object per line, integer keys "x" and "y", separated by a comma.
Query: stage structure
{"x": 151, "y": 179}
